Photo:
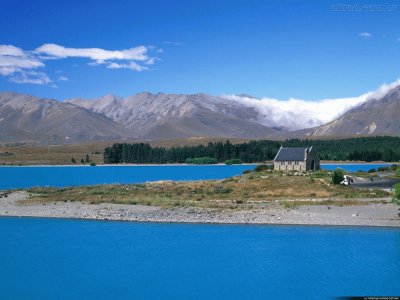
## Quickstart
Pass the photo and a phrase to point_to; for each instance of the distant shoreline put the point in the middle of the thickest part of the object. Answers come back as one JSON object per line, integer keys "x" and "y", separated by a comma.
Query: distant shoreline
{"x": 129, "y": 165}
{"x": 183, "y": 164}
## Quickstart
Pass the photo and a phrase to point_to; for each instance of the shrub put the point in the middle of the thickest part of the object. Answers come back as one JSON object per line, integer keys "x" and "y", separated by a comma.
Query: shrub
{"x": 261, "y": 168}
{"x": 393, "y": 167}
{"x": 92, "y": 164}
{"x": 383, "y": 169}
{"x": 223, "y": 190}
{"x": 396, "y": 198}
{"x": 82, "y": 161}
{"x": 337, "y": 176}
{"x": 201, "y": 160}
{"x": 398, "y": 171}
{"x": 246, "y": 172}
{"x": 371, "y": 171}
{"x": 73, "y": 160}
{"x": 234, "y": 161}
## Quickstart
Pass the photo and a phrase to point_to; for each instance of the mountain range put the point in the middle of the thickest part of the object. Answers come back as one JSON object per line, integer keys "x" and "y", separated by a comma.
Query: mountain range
{"x": 147, "y": 116}
{"x": 169, "y": 116}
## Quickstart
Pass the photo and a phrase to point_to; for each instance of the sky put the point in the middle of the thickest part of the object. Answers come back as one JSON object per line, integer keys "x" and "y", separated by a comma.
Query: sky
{"x": 309, "y": 50}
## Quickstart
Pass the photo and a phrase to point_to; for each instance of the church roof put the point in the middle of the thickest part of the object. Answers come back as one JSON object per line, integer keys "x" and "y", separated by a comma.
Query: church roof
{"x": 291, "y": 154}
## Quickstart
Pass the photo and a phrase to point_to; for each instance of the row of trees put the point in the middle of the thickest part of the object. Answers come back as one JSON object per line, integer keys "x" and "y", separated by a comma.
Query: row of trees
{"x": 255, "y": 151}
{"x": 365, "y": 149}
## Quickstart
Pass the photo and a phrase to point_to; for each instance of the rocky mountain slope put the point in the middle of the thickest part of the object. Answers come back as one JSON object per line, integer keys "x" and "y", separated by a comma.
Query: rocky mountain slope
{"x": 24, "y": 118}
{"x": 378, "y": 116}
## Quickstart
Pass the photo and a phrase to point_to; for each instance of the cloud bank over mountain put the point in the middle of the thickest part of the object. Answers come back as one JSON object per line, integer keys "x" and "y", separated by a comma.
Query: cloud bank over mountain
{"x": 295, "y": 114}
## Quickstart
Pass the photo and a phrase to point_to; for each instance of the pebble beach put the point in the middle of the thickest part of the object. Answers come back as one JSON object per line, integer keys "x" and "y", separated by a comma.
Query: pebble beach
{"x": 376, "y": 214}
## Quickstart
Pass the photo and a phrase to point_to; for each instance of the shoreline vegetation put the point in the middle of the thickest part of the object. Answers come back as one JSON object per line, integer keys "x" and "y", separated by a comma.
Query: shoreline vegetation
{"x": 187, "y": 164}
{"x": 355, "y": 163}
{"x": 256, "y": 197}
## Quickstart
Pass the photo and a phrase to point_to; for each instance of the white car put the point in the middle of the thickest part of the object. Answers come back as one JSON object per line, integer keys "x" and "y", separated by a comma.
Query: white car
{"x": 347, "y": 180}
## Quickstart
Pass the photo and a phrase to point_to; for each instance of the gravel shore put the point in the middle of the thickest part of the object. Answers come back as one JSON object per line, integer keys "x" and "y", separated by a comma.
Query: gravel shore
{"x": 382, "y": 214}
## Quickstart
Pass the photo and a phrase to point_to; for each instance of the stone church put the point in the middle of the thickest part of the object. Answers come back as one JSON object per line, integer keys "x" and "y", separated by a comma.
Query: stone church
{"x": 296, "y": 159}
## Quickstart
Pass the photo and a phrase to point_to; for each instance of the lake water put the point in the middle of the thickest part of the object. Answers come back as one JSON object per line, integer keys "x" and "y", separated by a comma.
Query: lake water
{"x": 24, "y": 177}
{"x": 353, "y": 167}
{"x": 75, "y": 259}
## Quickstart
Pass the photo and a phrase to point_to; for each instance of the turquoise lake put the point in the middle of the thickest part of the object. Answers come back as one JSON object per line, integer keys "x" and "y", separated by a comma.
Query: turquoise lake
{"x": 76, "y": 259}
{"x": 59, "y": 176}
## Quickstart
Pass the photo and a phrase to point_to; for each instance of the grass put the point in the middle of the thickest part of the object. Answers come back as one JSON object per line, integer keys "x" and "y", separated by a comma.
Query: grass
{"x": 28, "y": 154}
{"x": 52, "y": 155}
{"x": 254, "y": 190}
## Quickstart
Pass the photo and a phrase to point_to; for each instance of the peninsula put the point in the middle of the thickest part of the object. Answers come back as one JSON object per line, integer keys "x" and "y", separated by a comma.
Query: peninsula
{"x": 258, "y": 197}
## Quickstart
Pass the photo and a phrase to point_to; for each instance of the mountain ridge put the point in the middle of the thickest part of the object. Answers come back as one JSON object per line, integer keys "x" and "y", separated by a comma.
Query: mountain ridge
{"x": 161, "y": 116}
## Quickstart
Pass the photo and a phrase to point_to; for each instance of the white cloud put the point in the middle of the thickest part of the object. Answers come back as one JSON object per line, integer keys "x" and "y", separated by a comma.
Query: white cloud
{"x": 298, "y": 114}
{"x": 100, "y": 56}
{"x": 63, "y": 78}
{"x": 56, "y": 51}
{"x": 132, "y": 66}
{"x": 11, "y": 50}
{"x": 365, "y": 35}
{"x": 13, "y": 59}
{"x": 173, "y": 43}
{"x": 151, "y": 61}
{"x": 19, "y": 65}
{"x": 31, "y": 77}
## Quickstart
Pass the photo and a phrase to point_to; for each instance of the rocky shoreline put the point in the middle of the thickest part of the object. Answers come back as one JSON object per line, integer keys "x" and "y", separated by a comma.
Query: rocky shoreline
{"x": 377, "y": 214}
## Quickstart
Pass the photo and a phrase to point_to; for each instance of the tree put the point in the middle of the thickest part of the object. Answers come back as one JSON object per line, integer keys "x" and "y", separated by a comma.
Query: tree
{"x": 398, "y": 171}
{"x": 87, "y": 159}
{"x": 367, "y": 149}
{"x": 82, "y": 161}
{"x": 337, "y": 176}
{"x": 233, "y": 161}
{"x": 201, "y": 161}
{"x": 73, "y": 160}
{"x": 125, "y": 157}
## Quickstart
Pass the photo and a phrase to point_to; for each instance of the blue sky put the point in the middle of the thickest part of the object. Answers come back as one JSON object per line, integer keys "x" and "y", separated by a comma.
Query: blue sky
{"x": 277, "y": 49}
